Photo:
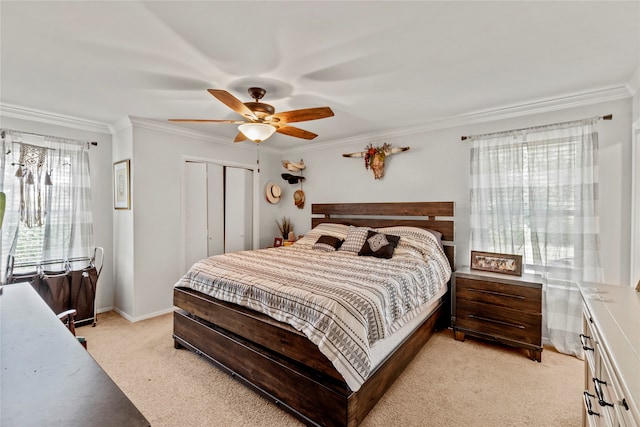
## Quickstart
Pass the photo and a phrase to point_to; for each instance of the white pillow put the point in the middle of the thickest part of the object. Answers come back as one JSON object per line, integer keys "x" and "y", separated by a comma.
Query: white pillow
{"x": 414, "y": 241}
{"x": 324, "y": 229}
{"x": 356, "y": 236}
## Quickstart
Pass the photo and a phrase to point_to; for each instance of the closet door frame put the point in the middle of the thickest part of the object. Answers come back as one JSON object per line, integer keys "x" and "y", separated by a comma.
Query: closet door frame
{"x": 256, "y": 200}
{"x": 635, "y": 205}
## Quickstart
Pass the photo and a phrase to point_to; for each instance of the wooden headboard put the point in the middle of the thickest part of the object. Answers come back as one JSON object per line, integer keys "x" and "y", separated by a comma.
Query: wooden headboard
{"x": 376, "y": 215}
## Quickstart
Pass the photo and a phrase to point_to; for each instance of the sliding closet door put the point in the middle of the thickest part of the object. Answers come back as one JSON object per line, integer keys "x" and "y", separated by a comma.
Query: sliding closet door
{"x": 238, "y": 209}
{"x": 215, "y": 208}
{"x": 218, "y": 211}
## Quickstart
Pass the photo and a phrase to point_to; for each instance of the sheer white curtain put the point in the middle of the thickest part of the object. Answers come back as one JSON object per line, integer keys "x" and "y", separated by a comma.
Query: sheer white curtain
{"x": 534, "y": 192}
{"x": 68, "y": 229}
{"x": 59, "y": 195}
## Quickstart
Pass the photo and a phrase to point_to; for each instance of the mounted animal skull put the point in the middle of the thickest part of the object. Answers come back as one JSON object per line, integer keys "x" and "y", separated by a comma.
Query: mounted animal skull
{"x": 374, "y": 157}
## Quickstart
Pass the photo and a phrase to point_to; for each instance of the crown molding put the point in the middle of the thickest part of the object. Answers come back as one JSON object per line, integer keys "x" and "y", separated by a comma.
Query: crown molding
{"x": 120, "y": 125}
{"x": 190, "y": 133}
{"x": 506, "y": 112}
{"x": 23, "y": 113}
{"x": 546, "y": 105}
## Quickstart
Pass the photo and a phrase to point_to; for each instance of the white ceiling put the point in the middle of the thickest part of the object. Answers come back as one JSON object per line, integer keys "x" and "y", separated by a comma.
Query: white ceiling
{"x": 379, "y": 65}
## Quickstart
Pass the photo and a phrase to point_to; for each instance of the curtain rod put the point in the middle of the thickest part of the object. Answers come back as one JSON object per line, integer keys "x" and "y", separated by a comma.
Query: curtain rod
{"x": 606, "y": 117}
{"x": 94, "y": 143}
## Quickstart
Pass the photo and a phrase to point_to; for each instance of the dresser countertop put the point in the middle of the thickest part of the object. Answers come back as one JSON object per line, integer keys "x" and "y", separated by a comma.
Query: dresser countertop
{"x": 616, "y": 312}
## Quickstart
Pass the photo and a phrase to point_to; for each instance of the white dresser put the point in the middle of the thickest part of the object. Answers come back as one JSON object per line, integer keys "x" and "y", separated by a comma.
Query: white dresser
{"x": 611, "y": 343}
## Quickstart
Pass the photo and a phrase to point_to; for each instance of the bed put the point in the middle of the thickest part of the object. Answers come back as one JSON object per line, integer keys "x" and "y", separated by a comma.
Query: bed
{"x": 294, "y": 367}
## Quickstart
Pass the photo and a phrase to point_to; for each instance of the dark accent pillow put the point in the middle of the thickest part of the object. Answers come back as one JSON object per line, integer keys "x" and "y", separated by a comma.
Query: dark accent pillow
{"x": 327, "y": 243}
{"x": 379, "y": 245}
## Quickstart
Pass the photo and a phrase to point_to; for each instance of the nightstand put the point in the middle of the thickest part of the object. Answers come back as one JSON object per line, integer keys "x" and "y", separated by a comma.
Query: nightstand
{"x": 498, "y": 307}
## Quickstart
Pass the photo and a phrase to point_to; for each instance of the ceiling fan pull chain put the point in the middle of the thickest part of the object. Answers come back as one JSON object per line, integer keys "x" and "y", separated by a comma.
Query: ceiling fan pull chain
{"x": 258, "y": 156}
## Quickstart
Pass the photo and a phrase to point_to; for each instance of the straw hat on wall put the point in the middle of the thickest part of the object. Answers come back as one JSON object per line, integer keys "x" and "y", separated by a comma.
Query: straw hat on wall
{"x": 273, "y": 193}
{"x": 293, "y": 167}
{"x": 298, "y": 198}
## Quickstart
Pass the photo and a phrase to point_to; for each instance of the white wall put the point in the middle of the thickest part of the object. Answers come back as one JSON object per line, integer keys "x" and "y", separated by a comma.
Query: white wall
{"x": 158, "y": 156}
{"x": 123, "y": 244}
{"x": 436, "y": 168}
{"x": 101, "y": 196}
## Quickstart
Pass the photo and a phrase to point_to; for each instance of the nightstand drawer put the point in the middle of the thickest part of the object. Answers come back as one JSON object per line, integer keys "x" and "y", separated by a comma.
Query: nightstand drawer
{"x": 514, "y": 324}
{"x": 501, "y": 307}
{"x": 515, "y": 297}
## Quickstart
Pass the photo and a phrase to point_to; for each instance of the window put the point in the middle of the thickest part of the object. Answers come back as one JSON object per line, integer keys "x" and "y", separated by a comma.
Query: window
{"x": 534, "y": 192}
{"x": 48, "y": 207}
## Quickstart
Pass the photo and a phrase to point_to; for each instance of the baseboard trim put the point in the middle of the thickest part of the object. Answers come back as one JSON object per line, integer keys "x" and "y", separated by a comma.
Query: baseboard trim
{"x": 144, "y": 317}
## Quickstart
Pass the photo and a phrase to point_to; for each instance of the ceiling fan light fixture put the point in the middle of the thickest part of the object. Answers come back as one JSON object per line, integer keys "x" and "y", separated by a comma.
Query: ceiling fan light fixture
{"x": 261, "y": 119}
{"x": 257, "y": 132}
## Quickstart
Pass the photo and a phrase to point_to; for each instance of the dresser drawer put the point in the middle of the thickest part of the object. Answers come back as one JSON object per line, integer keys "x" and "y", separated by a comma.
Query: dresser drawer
{"x": 522, "y": 298}
{"x": 593, "y": 414}
{"x": 505, "y": 322}
{"x": 604, "y": 389}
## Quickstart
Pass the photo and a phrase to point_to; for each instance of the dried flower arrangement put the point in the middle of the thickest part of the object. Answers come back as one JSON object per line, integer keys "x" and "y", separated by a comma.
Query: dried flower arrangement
{"x": 371, "y": 152}
{"x": 285, "y": 226}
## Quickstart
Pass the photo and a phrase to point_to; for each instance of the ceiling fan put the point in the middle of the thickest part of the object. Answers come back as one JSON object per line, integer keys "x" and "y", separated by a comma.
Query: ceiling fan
{"x": 260, "y": 119}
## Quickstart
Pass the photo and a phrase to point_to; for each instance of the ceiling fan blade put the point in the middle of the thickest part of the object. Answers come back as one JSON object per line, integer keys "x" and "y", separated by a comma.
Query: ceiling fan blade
{"x": 296, "y": 132}
{"x": 240, "y": 137}
{"x": 232, "y": 102}
{"x": 237, "y": 122}
{"x": 303, "y": 115}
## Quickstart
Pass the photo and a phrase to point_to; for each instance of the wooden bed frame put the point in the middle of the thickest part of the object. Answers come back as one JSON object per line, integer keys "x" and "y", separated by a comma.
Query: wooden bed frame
{"x": 278, "y": 361}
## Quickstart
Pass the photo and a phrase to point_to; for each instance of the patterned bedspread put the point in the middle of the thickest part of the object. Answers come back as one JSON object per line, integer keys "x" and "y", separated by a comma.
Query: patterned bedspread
{"x": 342, "y": 302}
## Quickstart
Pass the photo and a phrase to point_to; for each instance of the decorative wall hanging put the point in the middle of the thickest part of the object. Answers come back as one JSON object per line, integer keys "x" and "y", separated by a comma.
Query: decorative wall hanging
{"x": 121, "y": 185}
{"x": 33, "y": 200}
{"x": 374, "y": 157}
{"x": 298, "y": 195}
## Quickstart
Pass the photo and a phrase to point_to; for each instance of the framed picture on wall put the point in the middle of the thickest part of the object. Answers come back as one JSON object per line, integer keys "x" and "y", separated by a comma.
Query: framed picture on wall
{"x": 121, "y": 185}
{"x": 497, "y": 263}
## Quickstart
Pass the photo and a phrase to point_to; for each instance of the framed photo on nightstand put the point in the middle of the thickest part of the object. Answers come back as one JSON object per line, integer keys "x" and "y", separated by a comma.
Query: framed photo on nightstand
{"x": 497, "y": 263}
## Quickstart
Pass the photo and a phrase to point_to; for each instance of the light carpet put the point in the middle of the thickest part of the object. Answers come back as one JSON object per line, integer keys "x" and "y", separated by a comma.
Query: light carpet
{"x": 449, "y": 383}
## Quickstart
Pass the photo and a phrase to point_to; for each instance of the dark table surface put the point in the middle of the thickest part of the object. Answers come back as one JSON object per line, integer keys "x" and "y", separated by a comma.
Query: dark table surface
{"x": 46, "y": 377}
